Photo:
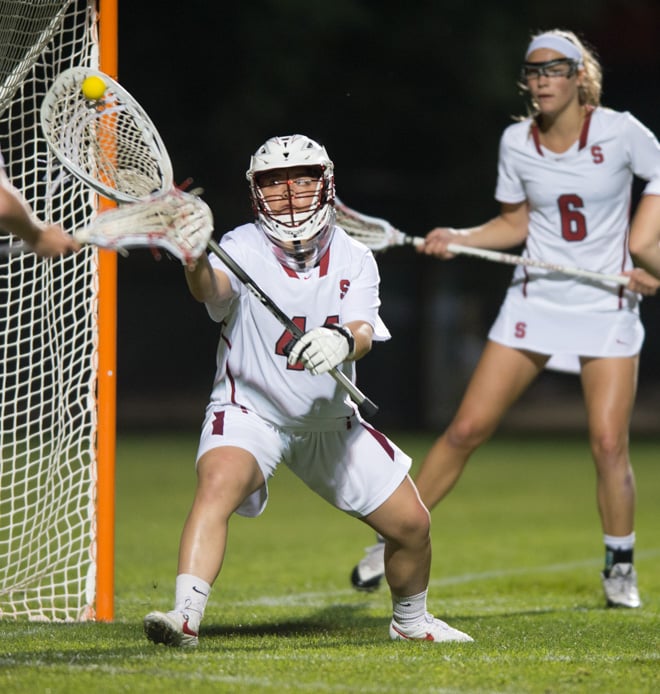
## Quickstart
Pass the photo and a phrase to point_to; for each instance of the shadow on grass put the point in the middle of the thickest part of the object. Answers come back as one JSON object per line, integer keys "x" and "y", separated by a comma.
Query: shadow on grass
{"x": 333, "y": 618}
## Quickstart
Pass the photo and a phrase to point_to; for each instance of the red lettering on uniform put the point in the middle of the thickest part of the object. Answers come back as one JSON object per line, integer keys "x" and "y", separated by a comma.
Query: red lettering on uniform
{"x": 597, "y": 154}
{"x": 344, "y": 286}
{"x": 286, "y": 340}
{"x": 521, "y": 329}
{"x": 218, "y": 423}
{"x": 573, "y": 222}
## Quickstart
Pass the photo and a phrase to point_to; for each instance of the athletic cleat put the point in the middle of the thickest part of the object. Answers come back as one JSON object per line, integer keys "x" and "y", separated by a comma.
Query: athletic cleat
{"x": 368, "y": 573}
{"x": 170, "y": 628}
{"x": 620, "y": 586}
{"x": 429, "y": 629}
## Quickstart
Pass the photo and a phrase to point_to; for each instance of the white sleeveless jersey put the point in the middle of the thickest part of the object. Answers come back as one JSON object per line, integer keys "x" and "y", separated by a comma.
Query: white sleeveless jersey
{"x": 579, "y": 206}
{"x": 252, "y": 370}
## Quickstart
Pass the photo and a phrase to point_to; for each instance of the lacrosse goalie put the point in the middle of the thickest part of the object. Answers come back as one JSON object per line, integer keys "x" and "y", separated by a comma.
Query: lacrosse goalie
{"x": 273, "y": 401}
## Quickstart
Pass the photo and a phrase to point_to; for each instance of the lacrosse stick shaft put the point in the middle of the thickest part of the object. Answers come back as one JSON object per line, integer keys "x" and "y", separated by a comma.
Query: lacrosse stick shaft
{"x": 378, "y": 234}
{"x": 365, "y": 405}
{"x": 511, "y": 259}
{"x": 7, "y": 249}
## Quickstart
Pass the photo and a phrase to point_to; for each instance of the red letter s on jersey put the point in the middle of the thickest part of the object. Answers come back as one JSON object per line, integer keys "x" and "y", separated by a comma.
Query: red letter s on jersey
{"x": 597, "y": 154}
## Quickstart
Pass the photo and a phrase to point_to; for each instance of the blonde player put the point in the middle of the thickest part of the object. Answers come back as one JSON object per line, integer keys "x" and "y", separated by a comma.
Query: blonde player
{"x": 274, "y": 402}
{"x": 564, "y": 184}
{"x": 16, "y": 218}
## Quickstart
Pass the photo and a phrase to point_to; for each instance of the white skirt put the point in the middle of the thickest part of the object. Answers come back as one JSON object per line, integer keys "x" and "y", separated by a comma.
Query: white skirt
{"x": 537, "y": 326}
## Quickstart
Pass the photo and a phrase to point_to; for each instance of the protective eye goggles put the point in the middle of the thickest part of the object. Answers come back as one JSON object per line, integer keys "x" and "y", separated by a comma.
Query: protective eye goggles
{"x": 299, "y": 182}
{"x": 560, "y": 67}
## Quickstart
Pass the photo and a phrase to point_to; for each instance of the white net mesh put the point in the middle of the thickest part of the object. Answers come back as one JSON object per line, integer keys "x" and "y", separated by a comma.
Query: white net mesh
{"x": 48, "y": 337}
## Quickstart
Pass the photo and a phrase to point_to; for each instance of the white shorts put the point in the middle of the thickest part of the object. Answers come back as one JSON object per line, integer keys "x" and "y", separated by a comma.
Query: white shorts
{"x": 525, "y": 323}
{"x": 355, "y": 468}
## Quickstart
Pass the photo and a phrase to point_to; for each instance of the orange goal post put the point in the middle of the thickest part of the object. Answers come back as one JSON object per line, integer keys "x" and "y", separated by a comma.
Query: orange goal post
{"x": 57, "y": 340}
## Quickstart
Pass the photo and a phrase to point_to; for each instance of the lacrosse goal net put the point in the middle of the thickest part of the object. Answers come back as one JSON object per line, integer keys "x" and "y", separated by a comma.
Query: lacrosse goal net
{"x": 56, "y": 402}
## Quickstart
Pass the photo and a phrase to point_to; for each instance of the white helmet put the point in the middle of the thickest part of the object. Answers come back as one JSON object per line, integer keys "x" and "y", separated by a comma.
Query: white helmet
{"x": 298, "y": 219}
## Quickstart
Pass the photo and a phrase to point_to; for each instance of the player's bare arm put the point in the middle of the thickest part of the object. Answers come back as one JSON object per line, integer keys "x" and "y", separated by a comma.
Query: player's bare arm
{"x": 645, "y": 234}
{"x": 362, "y": 334}
{"x": 16, "y": 218}
{"x": 206, "y": 284}
{"x": 507, "y": 230}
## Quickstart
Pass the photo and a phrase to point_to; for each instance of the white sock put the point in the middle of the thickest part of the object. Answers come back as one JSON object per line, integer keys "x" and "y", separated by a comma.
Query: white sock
{"x": 191, "y": 596}
{"x": 409, "y": 610}
{"x": 624, "y": 543}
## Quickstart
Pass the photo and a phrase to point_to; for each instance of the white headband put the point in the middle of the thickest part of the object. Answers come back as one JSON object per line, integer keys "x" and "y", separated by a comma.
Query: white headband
{"x": 555, "y": 43}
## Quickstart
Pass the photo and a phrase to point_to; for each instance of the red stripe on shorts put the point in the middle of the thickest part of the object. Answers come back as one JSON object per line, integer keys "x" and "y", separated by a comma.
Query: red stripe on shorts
{"x": 381, "y": 438}
{"x": 218, "y": 423}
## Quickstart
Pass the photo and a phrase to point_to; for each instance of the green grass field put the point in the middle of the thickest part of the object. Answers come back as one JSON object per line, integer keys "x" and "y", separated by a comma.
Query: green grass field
{"x": 517, "y": 554}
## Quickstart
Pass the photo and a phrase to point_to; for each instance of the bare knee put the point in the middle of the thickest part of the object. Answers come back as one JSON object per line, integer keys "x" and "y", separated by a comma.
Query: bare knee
{"x": 222, "y": 487}
{"x": 211, "y": 480}
{"x": 609, "y": 446}
{"x": 467, "y": 434}
{"x": 413, "y": 529}
{"x": 610, "y": 453}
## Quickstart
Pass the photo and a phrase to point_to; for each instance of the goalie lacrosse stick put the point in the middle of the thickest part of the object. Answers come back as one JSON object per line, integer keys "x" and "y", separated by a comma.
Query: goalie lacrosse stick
{"x": 379, "y": 235}
{"x": 110, "y": 143}
{"x": 113, "y": 146}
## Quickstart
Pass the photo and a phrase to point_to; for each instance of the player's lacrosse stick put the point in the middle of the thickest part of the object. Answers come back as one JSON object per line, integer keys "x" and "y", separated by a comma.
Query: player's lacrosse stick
{"x": 112, "y": 145}
{"x": 512, "y": 259}
{"x": 379, "y": 235}
{"x": 14, "y": 248}
{"x": 177, "y": 222}
{"x": 374, "y": 232}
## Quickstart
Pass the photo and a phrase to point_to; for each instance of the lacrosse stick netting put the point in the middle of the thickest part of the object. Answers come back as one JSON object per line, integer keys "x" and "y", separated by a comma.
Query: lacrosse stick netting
{"x": 178, "y": 222}
{"x": 375, "y": 233}
{"x": 110, "y": 143}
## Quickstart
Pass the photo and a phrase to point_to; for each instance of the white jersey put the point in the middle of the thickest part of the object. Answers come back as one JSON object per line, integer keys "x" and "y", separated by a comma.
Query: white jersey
{"x": 252, "y": 369}
{"x": 579, "y": 205}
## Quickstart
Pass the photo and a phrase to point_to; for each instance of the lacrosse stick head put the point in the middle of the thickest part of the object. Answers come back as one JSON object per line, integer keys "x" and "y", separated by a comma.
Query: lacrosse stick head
{"x": 175, "y": 221}
{"x": 110, "y": 142}
{"x": 292, "y": 191}
{"x": 375, "y": 233}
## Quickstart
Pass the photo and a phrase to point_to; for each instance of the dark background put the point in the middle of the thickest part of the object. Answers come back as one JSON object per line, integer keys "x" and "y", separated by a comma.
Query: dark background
{"x": 410, "y": 100}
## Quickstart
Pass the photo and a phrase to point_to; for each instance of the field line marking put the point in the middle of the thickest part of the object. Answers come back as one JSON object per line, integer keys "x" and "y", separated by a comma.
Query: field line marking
{"x": 524, "y": 570}
{"x": 312, "y": 597}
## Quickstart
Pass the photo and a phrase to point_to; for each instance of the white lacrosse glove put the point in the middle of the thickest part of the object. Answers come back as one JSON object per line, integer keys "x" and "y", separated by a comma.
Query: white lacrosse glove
{"x": 321, "y": 349}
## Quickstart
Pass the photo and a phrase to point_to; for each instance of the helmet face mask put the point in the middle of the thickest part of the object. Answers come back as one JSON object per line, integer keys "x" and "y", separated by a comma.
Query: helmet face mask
{"x": 292, "y": 191}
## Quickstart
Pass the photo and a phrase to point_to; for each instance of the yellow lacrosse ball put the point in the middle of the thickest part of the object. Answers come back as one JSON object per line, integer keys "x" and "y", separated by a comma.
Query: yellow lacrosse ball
{"x": 93, "y": 88}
